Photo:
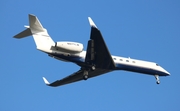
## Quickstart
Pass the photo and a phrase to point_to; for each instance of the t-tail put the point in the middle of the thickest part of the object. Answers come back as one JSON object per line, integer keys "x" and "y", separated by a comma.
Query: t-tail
{"x": 41, "y": 37}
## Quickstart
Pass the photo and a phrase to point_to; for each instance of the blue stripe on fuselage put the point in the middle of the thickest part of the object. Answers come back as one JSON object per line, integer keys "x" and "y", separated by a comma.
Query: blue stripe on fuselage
{"x": 143, "y": 70}
{"x": 71, "y": 58}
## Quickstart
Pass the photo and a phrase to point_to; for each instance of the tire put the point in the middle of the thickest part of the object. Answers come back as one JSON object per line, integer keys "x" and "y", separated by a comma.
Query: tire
{"x": 85, "y": 77}
{"x": 158, "y": 82}
{"x": 93, "y": 68}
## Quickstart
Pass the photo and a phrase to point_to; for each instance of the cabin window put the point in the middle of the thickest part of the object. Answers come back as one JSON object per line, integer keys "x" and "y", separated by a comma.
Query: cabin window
{"x": 133, "y": 61}
{"x": 114, "y": 58}
{"x": 121, "y": 59}
{"x": 127, "y": 60}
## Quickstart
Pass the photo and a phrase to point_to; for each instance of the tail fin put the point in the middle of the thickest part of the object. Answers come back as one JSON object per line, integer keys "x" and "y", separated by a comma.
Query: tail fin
{"x": 41, "y": 37}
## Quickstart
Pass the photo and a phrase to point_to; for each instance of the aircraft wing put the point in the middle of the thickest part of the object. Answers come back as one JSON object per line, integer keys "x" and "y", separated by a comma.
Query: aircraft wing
{"x": 97, "y": 54}
{"x": 97, "y": 51}
{"x": 77, "y": 76}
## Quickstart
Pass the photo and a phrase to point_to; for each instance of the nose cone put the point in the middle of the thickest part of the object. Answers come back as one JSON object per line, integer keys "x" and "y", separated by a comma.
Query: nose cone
{"x": 168, "y": 74}
{"x": 165, "y": 72}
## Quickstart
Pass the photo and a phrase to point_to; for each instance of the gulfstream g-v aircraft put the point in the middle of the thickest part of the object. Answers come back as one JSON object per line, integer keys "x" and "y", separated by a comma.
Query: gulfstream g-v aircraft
{"x": 95, "y": 61}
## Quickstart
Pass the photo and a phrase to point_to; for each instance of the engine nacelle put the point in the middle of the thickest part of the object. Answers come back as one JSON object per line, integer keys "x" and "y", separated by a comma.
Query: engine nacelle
{"x": 70, "y": 47}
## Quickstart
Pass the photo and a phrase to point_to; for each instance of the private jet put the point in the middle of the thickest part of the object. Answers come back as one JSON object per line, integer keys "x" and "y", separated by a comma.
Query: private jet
{"x": 95, "y": 61}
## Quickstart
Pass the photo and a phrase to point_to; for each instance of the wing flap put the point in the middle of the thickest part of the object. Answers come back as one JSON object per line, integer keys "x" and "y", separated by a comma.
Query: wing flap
{"x": 77, "y": 76}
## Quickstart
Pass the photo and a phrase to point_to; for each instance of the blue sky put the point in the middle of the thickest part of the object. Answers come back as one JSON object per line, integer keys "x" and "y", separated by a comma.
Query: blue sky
{"x": 147, "y": 30}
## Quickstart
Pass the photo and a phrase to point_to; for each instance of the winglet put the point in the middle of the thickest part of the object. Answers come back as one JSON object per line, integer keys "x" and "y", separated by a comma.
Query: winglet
{"x": 46, "y": 81}
{"x": 91, "y": 22}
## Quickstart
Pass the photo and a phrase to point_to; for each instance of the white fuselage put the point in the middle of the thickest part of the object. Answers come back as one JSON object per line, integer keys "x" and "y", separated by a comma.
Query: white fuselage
{"x": 121, "y": 63}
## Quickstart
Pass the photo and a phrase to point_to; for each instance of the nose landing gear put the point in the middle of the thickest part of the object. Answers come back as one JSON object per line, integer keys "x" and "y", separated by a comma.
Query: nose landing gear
{"x": 157, "y": 79}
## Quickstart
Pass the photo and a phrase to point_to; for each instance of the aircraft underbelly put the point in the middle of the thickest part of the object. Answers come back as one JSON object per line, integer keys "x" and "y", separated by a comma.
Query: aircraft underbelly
{"x": 68, "y": 58}
{"x": 138, "y": 69}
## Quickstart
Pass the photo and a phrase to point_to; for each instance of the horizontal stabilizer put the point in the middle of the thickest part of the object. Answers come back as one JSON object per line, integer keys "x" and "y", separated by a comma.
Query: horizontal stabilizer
{"x": 34, "y": 27}
{"x": 23, "y": 34}
{"x": 46, "y": 81}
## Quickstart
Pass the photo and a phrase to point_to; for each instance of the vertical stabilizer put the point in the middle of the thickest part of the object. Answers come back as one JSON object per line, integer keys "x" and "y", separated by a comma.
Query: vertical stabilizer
{"x": 35, "y": 24}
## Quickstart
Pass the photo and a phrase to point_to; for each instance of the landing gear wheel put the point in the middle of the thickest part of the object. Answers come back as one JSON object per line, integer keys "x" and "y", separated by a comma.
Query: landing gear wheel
{"x": 85, "y": 75}
{"x": 93, "y": 68}
{"x": 158, "y": 82}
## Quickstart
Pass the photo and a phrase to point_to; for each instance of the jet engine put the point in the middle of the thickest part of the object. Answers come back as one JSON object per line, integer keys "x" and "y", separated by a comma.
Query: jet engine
{"x": 69, "y": 47}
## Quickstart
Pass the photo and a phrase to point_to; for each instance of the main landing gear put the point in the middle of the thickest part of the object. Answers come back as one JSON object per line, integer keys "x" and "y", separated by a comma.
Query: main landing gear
{"x": 85, "y": 73}
{"x": 157, "y": 79}
{"x": 93, "y": 68}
